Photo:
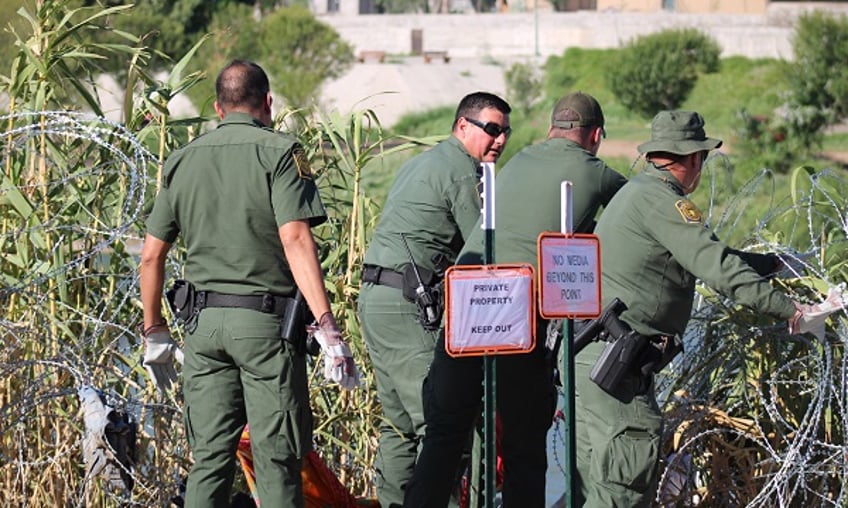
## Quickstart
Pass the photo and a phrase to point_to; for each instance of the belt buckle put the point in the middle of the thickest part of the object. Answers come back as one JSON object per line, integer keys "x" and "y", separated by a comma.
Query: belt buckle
{"x": 267, "y": 304}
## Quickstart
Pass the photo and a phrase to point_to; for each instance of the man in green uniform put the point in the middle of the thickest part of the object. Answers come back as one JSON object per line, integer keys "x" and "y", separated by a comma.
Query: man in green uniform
{"x": 431, "y": 208}
{"x": 654, "y": 245}
{"x": 243, "y": 199}
{"x": 528, "y": 203}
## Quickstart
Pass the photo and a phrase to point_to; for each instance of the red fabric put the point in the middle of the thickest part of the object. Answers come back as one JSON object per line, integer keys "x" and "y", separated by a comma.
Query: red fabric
{"x": 321, "y": 488}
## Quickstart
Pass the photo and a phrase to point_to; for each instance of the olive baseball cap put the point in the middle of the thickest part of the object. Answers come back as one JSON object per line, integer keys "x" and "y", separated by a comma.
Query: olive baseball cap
{"x": 678, "y": 132}
{"x": 577, "y": 109}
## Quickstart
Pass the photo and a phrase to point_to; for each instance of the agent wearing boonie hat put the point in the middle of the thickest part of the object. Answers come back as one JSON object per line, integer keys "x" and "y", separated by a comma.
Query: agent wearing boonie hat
{"x": 679, "y": 145}
{"x": 654, "y": 245}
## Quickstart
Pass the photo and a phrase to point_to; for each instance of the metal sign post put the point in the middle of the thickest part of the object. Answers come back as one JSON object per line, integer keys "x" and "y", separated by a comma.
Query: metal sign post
{"x": 567, "y": 228}
{"x": 489, "y": 366}
{"x": 569, "y": 287}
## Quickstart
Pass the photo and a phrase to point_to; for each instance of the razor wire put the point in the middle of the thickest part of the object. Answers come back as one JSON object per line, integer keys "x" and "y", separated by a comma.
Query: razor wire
{"x": 736, "y": 434}
{"x": 72, "y": 215}
{"x": 792, "y": 458}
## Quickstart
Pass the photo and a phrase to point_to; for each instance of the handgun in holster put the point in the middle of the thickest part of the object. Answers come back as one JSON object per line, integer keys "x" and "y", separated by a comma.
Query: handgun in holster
{"x": 626, "y": 351}
{"x": 293, "y": 326}
{"x": 622, "y": 349}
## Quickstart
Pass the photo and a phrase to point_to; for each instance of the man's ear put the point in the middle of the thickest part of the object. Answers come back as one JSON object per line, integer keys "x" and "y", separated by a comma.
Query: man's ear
{"x": 598, "y": 135}
{"x": 219, "y": 111}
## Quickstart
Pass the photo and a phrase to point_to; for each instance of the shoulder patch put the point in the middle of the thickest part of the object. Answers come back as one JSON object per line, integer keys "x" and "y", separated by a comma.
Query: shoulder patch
{"x": 302, "y": 163}
{"x": 688, "y": 211}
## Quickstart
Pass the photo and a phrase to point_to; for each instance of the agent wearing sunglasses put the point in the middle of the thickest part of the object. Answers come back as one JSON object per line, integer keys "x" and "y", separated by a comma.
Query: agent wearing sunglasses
{"x": 432, "y": 207}
{"x": 528, "y": 198}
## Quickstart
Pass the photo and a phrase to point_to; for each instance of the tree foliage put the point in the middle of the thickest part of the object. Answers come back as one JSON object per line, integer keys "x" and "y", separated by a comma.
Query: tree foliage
{"x": 819, "y": 83}
{"x": 523, "y": 85}
{"x": 300, "y": 53}
{"x": 656, "y": 72}
{"x": 817, "y": 95}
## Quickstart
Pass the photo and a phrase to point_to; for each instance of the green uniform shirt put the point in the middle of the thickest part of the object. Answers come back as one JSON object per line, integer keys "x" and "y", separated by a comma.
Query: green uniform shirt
{"x": 654, "y": 245}
{"x": 228, "y": 192}
{"x": 434, "y": 202}
{"x": 527, "y": 198}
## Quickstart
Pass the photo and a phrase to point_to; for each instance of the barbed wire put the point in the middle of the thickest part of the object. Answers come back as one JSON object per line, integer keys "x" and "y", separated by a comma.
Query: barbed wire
{"x": 780, "y": 436}
{"x": 53, "y": 346}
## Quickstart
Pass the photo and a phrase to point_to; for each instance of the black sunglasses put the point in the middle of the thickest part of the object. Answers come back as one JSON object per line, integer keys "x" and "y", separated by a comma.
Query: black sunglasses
{"x": 490, "y": 128}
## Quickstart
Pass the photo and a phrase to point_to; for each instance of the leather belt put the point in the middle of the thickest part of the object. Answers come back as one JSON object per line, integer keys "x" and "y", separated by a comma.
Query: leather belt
{"x": 266, "y": 303}
{"x": 382, "y": 276}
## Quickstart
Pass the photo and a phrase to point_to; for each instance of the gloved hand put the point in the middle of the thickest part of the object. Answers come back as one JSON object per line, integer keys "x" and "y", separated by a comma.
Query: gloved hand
{"x": 811, "y": 318}
{"x": 338, "y": 359}
{"x": 159, "y": 354}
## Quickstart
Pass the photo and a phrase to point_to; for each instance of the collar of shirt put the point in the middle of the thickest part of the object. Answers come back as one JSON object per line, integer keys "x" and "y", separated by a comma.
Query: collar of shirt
{"x": 237, "y": 117}
{"x": 666, "y": 177}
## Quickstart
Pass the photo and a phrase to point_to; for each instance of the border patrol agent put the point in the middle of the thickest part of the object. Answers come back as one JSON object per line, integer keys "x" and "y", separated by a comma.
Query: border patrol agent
{"x": 528, "y": 203}
{"x": 243, "y": 198}
{"x": 654, "y": 244}
{"x": 432, "y": 207}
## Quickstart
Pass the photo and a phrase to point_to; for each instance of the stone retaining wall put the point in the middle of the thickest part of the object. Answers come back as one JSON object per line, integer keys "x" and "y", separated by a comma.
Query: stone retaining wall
{"x": 547, "y": 33}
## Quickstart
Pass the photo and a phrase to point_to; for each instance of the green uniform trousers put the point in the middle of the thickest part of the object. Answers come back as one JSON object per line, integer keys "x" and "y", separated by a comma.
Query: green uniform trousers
{"x": 401, "y": 351}
{"x": 238, "y": 370}
{"x": 618, "y": 438}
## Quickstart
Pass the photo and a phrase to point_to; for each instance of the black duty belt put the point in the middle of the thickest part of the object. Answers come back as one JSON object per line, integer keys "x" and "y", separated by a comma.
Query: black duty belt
{"x": 382, "y": 276}
{"x": 266, "y": 303}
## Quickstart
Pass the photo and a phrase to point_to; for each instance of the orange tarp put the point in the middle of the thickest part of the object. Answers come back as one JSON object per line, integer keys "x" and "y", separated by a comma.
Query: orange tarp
{"x": 321, "y": 488}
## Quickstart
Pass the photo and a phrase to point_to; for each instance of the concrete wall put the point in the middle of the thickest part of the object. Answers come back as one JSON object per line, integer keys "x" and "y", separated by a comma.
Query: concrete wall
{"x": 691, "y": 6}
{"x": 550, "y": 33}
{"x": 544, "y": 32}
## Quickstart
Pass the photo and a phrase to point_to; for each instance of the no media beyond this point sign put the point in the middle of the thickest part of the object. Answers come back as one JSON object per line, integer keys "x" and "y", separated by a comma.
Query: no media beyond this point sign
{"x": 569, "y": 276}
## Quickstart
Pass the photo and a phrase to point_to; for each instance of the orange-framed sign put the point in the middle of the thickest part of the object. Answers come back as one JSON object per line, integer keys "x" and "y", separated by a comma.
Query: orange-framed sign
{"x": 490, "y": 309}
{"x": 569, "y": 275}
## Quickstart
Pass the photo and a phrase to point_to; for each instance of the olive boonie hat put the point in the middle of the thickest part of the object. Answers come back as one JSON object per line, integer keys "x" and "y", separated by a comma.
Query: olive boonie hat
{"x": 678, "y": 132}
{"x": 577, "y": 109}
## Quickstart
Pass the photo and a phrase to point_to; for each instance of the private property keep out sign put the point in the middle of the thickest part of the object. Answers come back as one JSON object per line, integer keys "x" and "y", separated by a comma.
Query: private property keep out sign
{"x": 569, "y": 275}
{"x": 489, "y": 310}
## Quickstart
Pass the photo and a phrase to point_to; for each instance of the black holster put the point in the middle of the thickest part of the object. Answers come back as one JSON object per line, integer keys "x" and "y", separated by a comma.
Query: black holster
{"x": 617, "y": 360}
{"x": 293, "y": 326}
{"x": 633, "y": 353}
{"x": 426, "y": 294}
{"x": 181, "y": 300}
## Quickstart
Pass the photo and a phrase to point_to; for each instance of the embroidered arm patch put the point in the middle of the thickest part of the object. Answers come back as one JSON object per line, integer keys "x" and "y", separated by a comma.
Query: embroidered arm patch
{"x": 302, "y": 163}
{"x": 688, "y": 210}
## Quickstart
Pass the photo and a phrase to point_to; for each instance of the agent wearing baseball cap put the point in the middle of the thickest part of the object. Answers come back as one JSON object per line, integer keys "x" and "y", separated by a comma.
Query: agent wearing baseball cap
{"x": 654, "y": 245}
{"x": 528, "y": 203}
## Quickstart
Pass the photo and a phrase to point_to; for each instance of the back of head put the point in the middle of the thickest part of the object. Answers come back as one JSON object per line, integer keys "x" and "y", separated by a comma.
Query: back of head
{"x": 241, "y": 85}
{"x": 471, "y": 105}
{"x": 577, "y": 109}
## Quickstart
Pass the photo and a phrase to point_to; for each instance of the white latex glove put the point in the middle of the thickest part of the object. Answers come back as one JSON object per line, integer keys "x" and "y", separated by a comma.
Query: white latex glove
{"x": 159, "y": 354}
{"x": 811, "y": 318}
{"x": 338, "y": 359}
